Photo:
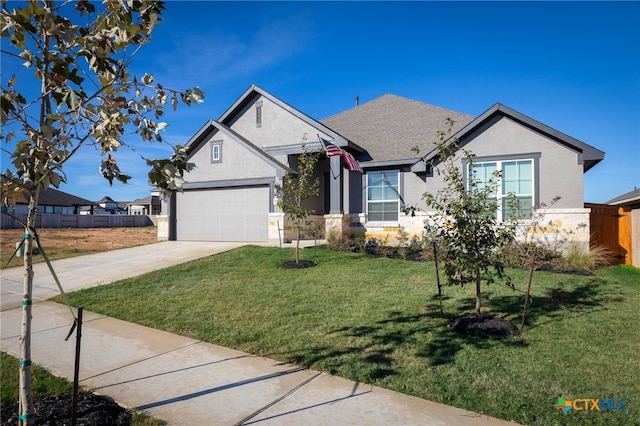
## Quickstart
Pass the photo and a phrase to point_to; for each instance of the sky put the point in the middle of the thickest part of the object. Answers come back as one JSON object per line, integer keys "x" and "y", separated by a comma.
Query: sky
{"x": 574, "y": 66}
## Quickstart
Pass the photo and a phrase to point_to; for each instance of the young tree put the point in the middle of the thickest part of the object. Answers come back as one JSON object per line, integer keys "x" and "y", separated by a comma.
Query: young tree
{"x": 540, "y": 237}
{"x": 78, "y": 56}
{"x": 296, "y": 189}
{"x": 465, "y": 219}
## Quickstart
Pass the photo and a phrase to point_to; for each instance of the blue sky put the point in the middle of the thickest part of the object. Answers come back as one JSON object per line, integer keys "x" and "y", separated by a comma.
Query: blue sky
{"x": 574, "y": 66}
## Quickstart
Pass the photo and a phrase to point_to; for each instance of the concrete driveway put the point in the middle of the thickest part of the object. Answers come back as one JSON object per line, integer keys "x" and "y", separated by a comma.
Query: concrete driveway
{"x": 102, "y": 268}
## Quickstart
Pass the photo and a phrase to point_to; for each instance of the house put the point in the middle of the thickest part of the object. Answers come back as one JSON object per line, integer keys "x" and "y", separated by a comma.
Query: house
{"x": 630, "y": 200}
{"x": 108, "y": 206}
{"x": 241, "y": 157}
{"x": 627, "y": 218}
{"x": 150, "y": 205}
{"x": 53, "y": 201}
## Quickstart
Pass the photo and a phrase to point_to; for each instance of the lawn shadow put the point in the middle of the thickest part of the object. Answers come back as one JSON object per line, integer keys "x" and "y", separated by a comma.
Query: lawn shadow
{"x": 371, "y": 363}
{"x": 371, "y": 350}
{"x": 429, "y": 336}
{"x": 564, "y": 301}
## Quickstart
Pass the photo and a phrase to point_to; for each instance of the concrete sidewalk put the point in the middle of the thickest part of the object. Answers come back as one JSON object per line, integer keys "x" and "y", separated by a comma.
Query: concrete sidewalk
{"x": 187, "y": 382}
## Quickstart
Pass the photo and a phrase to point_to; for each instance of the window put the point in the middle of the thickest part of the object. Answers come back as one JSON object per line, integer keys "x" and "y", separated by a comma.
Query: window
{"x": 259, "y": 114}
{"x": 515, "y": 189}
{"x": 383, "y": 196}
{"x": 216, "y": 151}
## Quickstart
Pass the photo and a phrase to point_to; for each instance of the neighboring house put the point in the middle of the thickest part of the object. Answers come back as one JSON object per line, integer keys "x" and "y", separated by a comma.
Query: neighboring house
{"x": 53, "y": 201}
{"x": 241, "y": 157}
{"x": 150, "y": 205}
{"x": 630, "y": 200}
{"x": 628, "y": 220}
{"x": 108, "y": 206}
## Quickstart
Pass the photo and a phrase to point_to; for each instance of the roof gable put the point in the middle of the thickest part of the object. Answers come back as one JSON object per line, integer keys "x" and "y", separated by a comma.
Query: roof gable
{"x": 212, "y": 127}
{"x": 254, "y": 92}
{"x": 590, "y": 156}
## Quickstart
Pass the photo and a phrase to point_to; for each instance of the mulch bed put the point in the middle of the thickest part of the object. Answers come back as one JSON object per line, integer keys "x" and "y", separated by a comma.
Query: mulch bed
{"x": 292, "y": 264}
{"x": 485, "y": 326}
{"x": 93, "y": 410}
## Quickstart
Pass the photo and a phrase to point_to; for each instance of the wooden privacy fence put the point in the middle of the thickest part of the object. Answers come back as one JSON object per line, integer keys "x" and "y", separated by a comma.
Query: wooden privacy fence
{"x": 611, "y": 229}
{"x": 56, "y": 220}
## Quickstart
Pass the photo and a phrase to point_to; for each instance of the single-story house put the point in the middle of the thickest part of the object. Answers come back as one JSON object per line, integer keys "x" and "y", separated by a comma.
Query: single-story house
{"x": 242, "y": 156}
{"x": 53, "y": 201}
{"x": 630, "y": 200}
{"x": 629, "y": 218}
{"x": 150, "y": 205}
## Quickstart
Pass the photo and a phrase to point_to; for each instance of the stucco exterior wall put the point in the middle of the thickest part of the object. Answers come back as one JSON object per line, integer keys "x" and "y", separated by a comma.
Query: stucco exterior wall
{"x": 237, "y": 162}
{"x": 278, "y": 126}
{"x": 560, "y": 172}
{"x": 414, "y": 187}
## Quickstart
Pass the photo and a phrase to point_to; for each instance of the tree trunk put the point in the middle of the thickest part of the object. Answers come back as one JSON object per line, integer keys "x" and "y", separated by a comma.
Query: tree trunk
{"x": 532, "y": 268}
{"x": 298, "y": 242}
{"x": 26, "y": 395}
{"x": 478, "y": 300}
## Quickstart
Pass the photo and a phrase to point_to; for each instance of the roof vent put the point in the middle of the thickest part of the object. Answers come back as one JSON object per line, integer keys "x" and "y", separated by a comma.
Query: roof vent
{"x": 357, "y": 99}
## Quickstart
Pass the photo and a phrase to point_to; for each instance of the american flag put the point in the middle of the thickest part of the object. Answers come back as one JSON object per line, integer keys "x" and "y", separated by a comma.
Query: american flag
{"x": 334, "y": 150}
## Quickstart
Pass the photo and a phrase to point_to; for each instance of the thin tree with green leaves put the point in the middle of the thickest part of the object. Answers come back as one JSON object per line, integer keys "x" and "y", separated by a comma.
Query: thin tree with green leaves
{"x": 295, "y": 190}
{"x": 72, "y": 90}
{"x": 465, "y": 219}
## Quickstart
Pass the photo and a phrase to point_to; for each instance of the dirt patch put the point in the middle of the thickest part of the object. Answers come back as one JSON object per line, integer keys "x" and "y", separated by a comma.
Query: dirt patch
{"x": 292, "y": 264}
{"x": 485, "y": 326}
{"x": 93, "y": 239}
{"x": 93, "y": 410}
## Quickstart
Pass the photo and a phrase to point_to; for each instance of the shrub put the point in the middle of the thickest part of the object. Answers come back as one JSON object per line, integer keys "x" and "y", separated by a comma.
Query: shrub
{"x": 337, "y": 241}
{"x": 518, "y": 254}
{"x": 577, "y": 257}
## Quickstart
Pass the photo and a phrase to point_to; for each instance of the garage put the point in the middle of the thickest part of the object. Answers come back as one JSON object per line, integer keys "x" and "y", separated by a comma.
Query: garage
{"x": 223, "y": 214}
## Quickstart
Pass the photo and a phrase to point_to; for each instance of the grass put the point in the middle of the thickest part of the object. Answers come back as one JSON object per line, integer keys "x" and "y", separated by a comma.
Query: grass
{"x": 44, "y": 384}
{"x": 377, "y": 320}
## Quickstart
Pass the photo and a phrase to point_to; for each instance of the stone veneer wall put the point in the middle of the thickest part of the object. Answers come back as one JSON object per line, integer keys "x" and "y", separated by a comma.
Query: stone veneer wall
{"x": 279, "y": 230}
{"x": 276, "y": 228}
{"x": 163, "y": 227}
{"x": 570, "y": 225}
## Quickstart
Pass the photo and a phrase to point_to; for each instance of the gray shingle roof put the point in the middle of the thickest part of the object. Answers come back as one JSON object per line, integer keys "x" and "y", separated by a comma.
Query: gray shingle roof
{"x": 389, "y": 126}
{"x": 54, "y": 197}
{"x": 630, "y": 197}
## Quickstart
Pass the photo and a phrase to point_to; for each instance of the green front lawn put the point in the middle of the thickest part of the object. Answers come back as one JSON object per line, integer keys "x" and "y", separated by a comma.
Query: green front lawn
{"x": 377, "y": 320}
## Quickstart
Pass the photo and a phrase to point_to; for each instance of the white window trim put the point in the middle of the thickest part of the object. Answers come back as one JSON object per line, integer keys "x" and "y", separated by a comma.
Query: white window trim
{"x": 219, "y": 145}
{"x": 381, "y": 223}
{"x": 535, "y": 177}
{"x": 258, "y": 114}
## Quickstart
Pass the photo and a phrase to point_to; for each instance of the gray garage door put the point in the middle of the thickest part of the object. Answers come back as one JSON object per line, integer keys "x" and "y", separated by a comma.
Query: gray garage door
{"x": 223, "y": 214}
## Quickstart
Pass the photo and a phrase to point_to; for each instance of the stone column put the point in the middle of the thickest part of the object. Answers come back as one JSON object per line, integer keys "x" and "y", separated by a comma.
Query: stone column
{"x": 336, "y": 225}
